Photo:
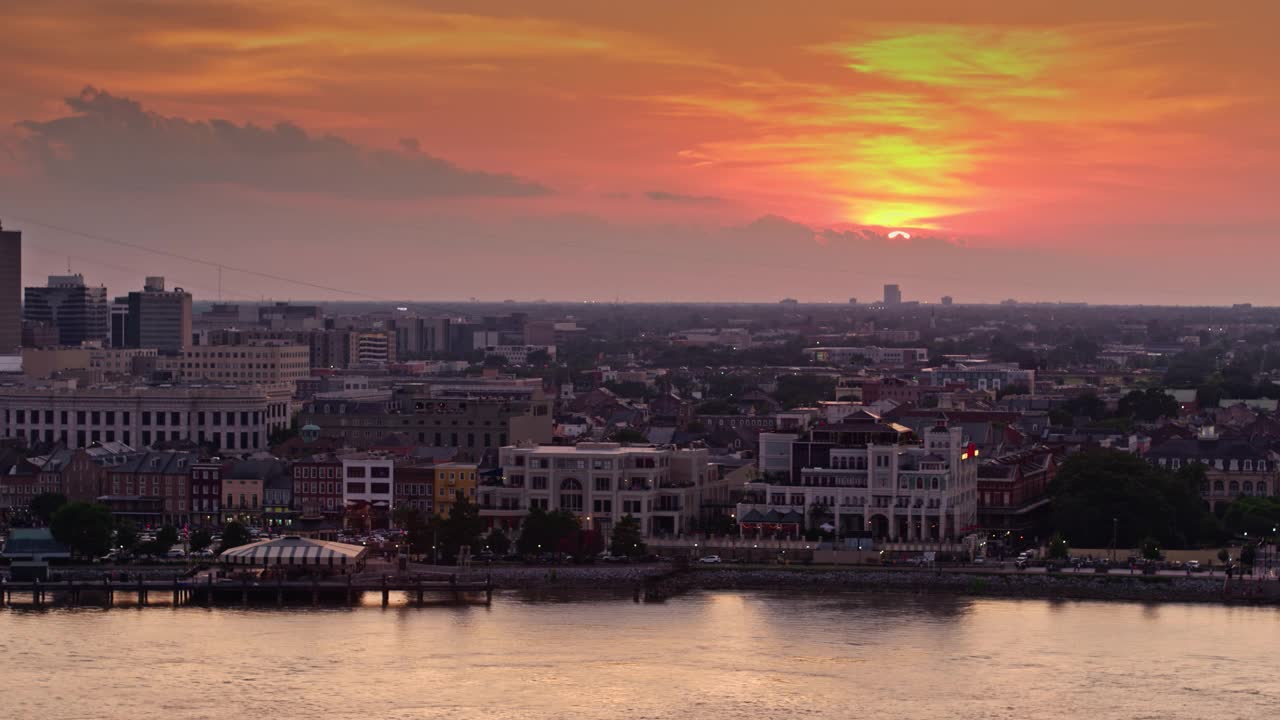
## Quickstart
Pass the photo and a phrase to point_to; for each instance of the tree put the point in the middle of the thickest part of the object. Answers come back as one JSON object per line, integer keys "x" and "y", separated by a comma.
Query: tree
{"x": 1015, "y": 389}
{"x": 804, "y": 390}
{"x": 497, "y": 542}
{"x": 84, "y": 527}
{"x": 1250, "y": 515}
{"x": 1150, "y": 548}
{"x": 463, "y": 526}
{"x": 234, "y": 534}
{"x": 1098, "y": 490}
{"x": 1148, "y": 405}
{"x": 544, "y": 531}
{"x": 537, "y": 358}
{"x": 200, "y": 540}
{"x": 495, "y": 361}
{"x": 629, "y": 435}
{"x": 1058, "y": 548}
{"x": 1087, "y": 405}
{"x": 626, "y": 539}
{"x": 127, "y": 536}
{"x": 1224, "y": 555}
{"x": 44, "y": 505}
{"x": 1248, "y": 556}
{"x": 166, "y": 538}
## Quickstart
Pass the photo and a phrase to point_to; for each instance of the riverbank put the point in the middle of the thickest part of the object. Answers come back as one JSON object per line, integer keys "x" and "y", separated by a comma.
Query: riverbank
{"x": 665, "y": 581}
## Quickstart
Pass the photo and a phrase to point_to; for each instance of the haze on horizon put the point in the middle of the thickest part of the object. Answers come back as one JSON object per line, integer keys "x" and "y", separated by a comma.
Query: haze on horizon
{"x": 1120, "y": 152}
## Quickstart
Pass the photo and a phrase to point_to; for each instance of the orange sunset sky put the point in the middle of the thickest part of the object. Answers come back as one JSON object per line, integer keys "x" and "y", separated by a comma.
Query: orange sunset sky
{"x": 1115, "y": 151}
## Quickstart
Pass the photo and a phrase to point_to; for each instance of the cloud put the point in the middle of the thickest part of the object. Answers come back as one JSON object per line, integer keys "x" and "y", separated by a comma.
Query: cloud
{"x": 661, "y": 196}
{"x": 115, "y": 142}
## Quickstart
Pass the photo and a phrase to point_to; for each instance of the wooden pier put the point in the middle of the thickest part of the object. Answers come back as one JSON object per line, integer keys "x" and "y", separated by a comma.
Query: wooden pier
{"x": 211, "y": 592}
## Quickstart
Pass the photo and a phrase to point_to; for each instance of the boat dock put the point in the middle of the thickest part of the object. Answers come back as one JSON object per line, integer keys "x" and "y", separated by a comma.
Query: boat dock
{"x": 210, "y": 592}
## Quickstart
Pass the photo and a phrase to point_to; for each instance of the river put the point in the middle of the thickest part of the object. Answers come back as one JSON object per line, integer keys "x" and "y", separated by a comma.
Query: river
{"x": 704, "y": 655}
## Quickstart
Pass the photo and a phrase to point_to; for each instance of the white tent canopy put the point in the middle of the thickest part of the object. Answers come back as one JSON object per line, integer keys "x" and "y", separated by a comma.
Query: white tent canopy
{"x": 296, "y": 552}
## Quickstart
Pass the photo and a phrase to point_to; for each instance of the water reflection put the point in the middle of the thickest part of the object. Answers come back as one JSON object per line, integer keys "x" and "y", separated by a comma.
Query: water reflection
{"x": 722, "y": 654}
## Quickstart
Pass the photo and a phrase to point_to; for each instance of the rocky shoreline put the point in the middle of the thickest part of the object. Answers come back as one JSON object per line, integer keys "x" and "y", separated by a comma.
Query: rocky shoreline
{"x": 662, "y": 581}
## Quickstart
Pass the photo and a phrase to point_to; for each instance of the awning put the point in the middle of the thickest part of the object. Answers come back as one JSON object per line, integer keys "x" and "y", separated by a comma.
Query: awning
{"x": 295, "y": 551}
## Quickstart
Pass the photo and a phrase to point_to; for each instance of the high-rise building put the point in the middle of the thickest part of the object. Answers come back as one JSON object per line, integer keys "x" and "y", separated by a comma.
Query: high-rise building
{"x": 10, "y": 291}
{"x": 159, "y": 318}
{"x": 77, "y": 312}
{"x": 119, "y": 322}
{"x": 947, "y": 300}
{"x": 892, "y": 295}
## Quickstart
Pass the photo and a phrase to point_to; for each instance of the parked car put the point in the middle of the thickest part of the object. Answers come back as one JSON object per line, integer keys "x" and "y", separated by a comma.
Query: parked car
{"x": 979, "y": 560}
{"x": 176, "y": 553}
{"x": 710, "y": 559}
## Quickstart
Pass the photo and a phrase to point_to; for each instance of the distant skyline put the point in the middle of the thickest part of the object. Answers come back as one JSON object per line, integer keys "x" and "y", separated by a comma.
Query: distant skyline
{"x": 1120, "y": 152}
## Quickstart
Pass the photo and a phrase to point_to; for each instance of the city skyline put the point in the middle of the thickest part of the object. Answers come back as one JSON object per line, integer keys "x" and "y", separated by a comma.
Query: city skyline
{"x": 1085, "y": 153}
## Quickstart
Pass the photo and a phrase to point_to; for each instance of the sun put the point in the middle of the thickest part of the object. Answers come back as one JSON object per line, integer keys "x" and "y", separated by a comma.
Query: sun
{"x": 900, "y": 234}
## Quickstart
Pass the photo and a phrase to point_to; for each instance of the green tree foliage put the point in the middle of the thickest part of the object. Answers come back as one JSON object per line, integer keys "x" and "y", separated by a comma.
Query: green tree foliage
{"x": 1248, "y": 556}
{"x": 1058, "y": 548}
{"x": 538, "y": 358}
{"x": 631, "y": 389}
{"x": 544, "y": 531}
{"x": 84, "y": 527}
{"x": 1087, "y": 405}
{"x": 1255, "y": 516}
{"x": 1150, "y": 548}
{"x": 497, "y": 542}
{"x": 1096, "y": 486}
{"x": 462, "y": 528}
{"x": 44, "y": 505}
{"x": 804, "y": 390}
{"x": 626, "y": 539}
{"x": 234, "y": 534}
{"x": 1148, "y": 405}
{"x": 200, "y": 540}
{"x": 629, "y": 435}
{"x": 718, "y": 407}
{"x": 127, "y": 536}
{"x": 1015, "y": 389}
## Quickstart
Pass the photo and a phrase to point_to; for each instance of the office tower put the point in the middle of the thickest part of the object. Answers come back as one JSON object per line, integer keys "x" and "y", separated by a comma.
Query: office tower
{"x": 892, "y": 295}
{"x": 10, "y": 291}
{"x": 159, "y": 318}
{"x": 119, "y": 321}
{"x": 77, "y": 313}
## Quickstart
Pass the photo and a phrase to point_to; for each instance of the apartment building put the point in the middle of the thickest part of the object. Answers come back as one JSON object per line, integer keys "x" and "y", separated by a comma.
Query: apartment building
{"x": 866, "y": 476}
{"x": 599, "y": 482}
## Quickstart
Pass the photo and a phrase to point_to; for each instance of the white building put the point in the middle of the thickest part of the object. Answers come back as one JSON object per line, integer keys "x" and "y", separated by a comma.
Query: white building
{"x": 986, "y": 376}
{"x": 229, "y": 417}
{"x": 861, "y": 478}
{"x": 518, "y": 354}
{"x": 601, "y": 482}
{"x": 368, "y": 480}
{"x": 871, "y": 354}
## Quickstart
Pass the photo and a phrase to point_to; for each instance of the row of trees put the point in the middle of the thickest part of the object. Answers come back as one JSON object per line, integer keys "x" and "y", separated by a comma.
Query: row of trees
{"x": 558, "y": 531}
{"x": 90, "y": 531}
{"x": 1105, "y": 495}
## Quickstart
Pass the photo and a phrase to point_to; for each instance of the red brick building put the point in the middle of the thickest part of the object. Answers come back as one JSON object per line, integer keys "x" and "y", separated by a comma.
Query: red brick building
{"x": 317, "y": 487}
